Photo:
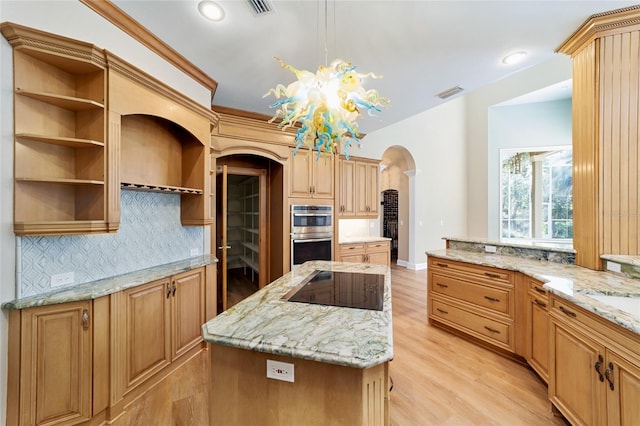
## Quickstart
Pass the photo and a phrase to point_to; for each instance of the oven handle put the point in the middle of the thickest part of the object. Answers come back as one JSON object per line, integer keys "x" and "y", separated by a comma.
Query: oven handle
{"x": 312, "y": 240}
{"x": 311, "y": 214}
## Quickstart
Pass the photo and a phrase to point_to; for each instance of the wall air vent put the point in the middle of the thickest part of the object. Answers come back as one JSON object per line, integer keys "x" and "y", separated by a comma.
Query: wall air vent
{"x": 261, "y": 7}
{"x": 450, "y": 92}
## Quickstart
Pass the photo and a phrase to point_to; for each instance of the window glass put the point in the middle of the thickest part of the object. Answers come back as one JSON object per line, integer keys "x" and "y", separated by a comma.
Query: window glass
{"x": 536, "y": 195}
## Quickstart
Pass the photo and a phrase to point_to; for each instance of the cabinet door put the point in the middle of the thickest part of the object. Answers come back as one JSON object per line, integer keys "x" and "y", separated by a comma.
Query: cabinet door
{"x": 378, "y": 257}
{"x": 623, "y": 390}
{"x": 372, "y": 191}
{"x": 300, "y": 174}
{"x": 55, "y": 385}
{"x": 187, "y": 311}
{"x": 147, "y": 337}
{"x": 574, "y": 385}
{"x": 537, "y": 335}
{"x": 323, "y": 175}
{"x": 346, "y": 205}
{"x": 362, "y": 200}
{"x": 352, "y": 258}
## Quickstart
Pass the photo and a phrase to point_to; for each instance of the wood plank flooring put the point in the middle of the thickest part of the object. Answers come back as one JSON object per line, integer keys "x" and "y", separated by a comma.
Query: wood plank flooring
{"x": 438, "y": 378}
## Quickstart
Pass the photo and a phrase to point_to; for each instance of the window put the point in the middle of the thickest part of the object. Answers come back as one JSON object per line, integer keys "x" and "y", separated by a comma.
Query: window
{"x": 536, "y": 194}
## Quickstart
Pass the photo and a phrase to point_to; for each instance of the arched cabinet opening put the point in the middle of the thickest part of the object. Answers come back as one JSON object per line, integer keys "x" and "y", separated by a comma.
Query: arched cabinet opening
{"x": 159, "y": 155}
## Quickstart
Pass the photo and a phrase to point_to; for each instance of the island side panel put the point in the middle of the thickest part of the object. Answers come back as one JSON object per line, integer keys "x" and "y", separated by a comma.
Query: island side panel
{"x": 321, "y": 394}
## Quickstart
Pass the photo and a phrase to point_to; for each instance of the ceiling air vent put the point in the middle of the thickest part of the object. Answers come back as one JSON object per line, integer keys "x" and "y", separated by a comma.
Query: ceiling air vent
{"x": 261, "y": 7}
{"x": 450, "y": 92}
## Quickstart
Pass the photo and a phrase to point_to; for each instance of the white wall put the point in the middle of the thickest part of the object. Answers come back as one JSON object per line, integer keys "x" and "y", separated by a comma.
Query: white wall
{"x": 542, "y": 124}
{"x": 70, "y": 19}
{"x": 436, "y": 140}
{"x": 479, "y": 102}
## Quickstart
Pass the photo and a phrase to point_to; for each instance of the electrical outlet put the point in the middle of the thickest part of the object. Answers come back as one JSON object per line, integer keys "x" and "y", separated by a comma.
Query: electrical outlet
{"x": 194, "y": 252}
{"x": 62, "y": 279}
{"x": 280, "y": 370}
{"x": 613, "y": 266}
{"x": 490, "y": 249}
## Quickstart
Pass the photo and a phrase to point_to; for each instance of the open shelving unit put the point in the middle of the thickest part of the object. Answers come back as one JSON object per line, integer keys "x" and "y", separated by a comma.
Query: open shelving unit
{"x": 244, "y": 224}
{"x": 60, "y": 137}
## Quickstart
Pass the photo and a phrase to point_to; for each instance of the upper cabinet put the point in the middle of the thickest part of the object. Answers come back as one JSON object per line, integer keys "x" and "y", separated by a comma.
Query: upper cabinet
{"x": 359, "y": 188}
{"x": 76, "y": 106}
{"x": 61, "y": 167}
{"x": 312, "y": 177}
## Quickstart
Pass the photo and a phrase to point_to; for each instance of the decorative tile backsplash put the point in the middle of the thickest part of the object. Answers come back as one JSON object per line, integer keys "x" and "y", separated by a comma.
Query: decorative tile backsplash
{"x": 150, "y": 234}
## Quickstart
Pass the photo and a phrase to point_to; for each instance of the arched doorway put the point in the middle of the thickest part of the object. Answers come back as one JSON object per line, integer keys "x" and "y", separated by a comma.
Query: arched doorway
{"x": 249, "y": 199}
{"x": 398, "y": 171}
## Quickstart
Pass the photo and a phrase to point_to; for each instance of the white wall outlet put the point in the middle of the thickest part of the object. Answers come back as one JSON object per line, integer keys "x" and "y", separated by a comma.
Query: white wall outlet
{"x": 194, "y": 252}
{"x": 62, "y": 279}
{"x": 490, "y": 249}
{"x": 613, "y": 266}
{"x": 280, "y": 370}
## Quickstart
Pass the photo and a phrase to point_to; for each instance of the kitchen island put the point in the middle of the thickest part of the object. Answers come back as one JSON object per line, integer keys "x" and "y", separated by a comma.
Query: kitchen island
{"x": 336, "y": 358}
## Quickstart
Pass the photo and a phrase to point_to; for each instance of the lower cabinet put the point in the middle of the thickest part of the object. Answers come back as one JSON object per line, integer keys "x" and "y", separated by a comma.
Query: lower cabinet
{"x": 537, "y": 328}
{"x": 51, "y": 361}
{"x": 594, "y": 367}
{"x": 78, "y": 362}
{"x": 377, "y": 252}
{"x": 476, "y": 300}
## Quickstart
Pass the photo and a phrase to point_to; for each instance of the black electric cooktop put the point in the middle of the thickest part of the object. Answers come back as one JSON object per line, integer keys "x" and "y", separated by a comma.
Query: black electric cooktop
{"x": 344, "y": 289}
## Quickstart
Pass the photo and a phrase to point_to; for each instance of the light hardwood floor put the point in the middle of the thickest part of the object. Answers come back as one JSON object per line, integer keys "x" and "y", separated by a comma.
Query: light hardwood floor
{"x": 438, "y": 378}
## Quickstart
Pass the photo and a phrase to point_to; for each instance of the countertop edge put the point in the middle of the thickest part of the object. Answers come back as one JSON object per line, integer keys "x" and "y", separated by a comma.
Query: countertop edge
{"x": 106, "y": 286}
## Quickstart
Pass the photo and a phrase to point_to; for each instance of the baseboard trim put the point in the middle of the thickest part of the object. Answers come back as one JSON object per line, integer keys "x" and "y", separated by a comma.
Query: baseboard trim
{"x": 413, "y": 266}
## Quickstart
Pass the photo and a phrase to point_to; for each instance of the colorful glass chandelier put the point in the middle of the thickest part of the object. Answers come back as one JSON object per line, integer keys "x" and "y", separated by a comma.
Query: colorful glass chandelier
{"x": 326, "y": 105}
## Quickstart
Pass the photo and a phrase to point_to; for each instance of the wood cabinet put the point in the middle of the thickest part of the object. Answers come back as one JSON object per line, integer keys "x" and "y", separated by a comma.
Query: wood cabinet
{"x": 594, "y": 368}
{"x": 311, "y": 176}
{"x": 476, "y": 300}
{"x": 359, "y": 191}
{"x": 377, "y": 252}
{"x": 537, "y": 329}
{"x": 61, "y": 172}
{"x": 50, "y": 365}
{"x": 161, "y": 320}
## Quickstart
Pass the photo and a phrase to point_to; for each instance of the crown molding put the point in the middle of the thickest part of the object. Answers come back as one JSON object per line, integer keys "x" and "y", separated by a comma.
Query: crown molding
{"x": 599, "y": 25}
{"x": 133, "y": 28}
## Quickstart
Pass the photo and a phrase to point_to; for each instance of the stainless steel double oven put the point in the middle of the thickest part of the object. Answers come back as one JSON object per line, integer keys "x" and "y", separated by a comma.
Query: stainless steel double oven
{"x": 311, "y": 233}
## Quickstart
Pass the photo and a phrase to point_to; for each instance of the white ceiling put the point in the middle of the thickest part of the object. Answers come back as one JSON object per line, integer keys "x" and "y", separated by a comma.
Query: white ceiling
{"x": 421, "y": 48}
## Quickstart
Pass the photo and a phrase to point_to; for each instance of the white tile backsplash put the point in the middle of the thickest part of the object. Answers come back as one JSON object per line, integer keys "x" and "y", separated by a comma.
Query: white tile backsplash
{"x": 150, "y": 234}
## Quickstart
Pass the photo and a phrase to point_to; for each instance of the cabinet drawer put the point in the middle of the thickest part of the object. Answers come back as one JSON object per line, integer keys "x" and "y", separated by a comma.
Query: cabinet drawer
{"x": 472, "y": 272}
{"x": 378, "y": 246}
{"x": 492, "y": 298}
{"x": 347, "y": 249}
{"x": 492, "y": 331}
{"x": 535, "y": 287}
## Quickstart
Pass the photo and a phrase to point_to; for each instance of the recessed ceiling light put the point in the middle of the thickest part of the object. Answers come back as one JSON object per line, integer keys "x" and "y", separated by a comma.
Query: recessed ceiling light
{"x": 211, "y": 10}
{"x": 513, "y": 58}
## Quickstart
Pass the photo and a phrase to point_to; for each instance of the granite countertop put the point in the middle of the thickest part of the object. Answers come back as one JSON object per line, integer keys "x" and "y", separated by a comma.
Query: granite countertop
{"x": 574, "y": 283}
{"x": 367, "y": 239}
{"x": 263, "y": 322}
{"x": 106, "y": 286}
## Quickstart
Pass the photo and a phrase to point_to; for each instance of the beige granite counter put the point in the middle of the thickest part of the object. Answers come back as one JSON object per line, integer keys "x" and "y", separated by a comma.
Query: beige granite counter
{"x": 367, "y": 239}
{"x": 570, "y": 282}
{"x": 106, "y": 286}
{"x": 264, "y": 322}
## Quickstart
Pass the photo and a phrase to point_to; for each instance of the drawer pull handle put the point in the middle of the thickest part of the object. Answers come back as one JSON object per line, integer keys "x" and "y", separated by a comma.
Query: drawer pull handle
{"x": 442, "y": 311}
{"x": 492, "y": 330}
{"x": 490, "y": 275}
{"x": 168, "y": 289}
{"x": 491, "y": 299}
{"x": 567, "y": 312}
{"x": 442, "y": 265}
{"x": 540, "y": 290}
{"x": 597, "y": 366}
{"x": 608, "y": 373}
{"x": 442, "y": 285}
{"x": 539, "y": 303}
